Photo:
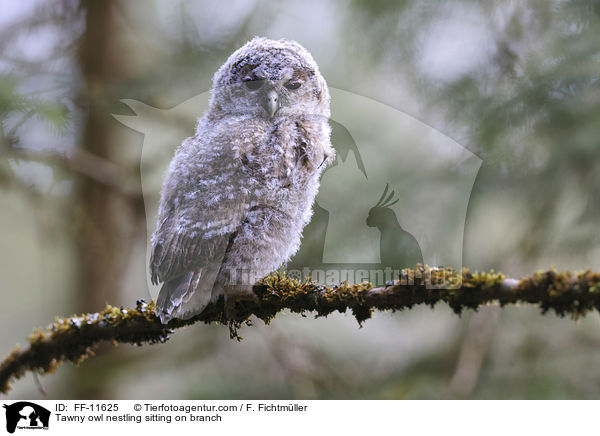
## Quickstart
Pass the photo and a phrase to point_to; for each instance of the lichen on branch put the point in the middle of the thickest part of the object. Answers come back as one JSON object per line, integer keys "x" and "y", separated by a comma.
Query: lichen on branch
{"x": 74, "y": 338}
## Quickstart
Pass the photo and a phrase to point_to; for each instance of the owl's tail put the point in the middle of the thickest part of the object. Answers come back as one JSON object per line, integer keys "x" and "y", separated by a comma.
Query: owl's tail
{"x": 183, "y": 297}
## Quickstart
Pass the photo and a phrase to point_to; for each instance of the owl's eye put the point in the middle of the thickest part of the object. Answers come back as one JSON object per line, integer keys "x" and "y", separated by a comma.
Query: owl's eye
{"x": 253, "y": 85}
{"x": 292, "y": 85}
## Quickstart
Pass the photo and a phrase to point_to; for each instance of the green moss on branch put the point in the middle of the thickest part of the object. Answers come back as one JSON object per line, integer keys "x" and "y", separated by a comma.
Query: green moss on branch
{"x": 74, "y": 338}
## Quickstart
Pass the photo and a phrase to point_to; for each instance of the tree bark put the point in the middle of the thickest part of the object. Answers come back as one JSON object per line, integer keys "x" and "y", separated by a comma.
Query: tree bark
{"x": 73, "y": 339}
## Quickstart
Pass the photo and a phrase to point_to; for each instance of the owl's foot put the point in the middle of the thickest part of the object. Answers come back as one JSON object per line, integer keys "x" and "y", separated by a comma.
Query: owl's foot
{"x": 241, "y": 295}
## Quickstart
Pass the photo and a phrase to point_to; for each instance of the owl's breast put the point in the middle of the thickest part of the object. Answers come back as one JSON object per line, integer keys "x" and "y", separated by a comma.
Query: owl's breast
{"x": 280, "y": 161}
{"x": 298, "y": 147}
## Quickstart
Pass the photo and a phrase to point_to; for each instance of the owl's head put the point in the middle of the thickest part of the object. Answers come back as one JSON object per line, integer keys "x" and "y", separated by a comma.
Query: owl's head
{"x": 268, "y": 79}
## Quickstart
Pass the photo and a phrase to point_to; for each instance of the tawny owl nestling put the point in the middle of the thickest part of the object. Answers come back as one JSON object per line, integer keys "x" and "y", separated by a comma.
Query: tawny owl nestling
{"x": 238, "y": 193}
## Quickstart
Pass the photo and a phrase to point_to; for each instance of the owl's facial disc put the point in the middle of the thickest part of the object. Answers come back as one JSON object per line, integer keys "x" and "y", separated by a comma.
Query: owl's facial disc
{"x": 268, "y": 97}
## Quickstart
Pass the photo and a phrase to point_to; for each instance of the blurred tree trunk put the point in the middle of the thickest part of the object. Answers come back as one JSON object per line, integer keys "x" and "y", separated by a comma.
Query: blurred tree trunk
{"x": 106, "y": 220}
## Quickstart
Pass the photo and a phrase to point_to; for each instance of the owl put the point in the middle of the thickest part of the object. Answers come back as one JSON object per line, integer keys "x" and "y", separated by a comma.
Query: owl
{"x": 238, "y": 193}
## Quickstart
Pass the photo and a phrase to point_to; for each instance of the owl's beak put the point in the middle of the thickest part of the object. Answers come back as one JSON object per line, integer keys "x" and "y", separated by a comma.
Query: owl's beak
{"x": 272, "y": 102}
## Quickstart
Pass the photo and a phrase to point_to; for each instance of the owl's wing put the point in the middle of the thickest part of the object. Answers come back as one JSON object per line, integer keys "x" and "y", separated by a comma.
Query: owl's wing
{"x": 189, "y": 247}
{"x": 203, "y": 203}
{"x": 193, "y": 236}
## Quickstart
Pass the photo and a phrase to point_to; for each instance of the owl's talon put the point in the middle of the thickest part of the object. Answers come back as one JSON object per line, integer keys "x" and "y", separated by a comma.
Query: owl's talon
{"x": 238, "y": 295}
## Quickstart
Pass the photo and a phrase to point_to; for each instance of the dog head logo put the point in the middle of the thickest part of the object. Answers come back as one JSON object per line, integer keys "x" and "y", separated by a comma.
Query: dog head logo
{"x": 26, "y": 415}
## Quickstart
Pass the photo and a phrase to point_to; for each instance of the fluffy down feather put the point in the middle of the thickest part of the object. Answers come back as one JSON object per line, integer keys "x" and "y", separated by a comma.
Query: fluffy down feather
{"x": 238, "y": 193}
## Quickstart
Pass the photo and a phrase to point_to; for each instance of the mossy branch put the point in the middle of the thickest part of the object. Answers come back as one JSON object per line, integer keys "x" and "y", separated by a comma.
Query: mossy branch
{"x": 74, "y": 338}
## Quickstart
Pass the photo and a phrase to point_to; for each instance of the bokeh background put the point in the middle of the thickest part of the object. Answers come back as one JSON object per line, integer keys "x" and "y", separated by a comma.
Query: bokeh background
{"x": 514, "y": 82}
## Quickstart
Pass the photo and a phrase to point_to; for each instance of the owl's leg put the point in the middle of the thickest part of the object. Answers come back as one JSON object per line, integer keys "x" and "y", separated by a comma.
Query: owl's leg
{"x": 238, "y": 294}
